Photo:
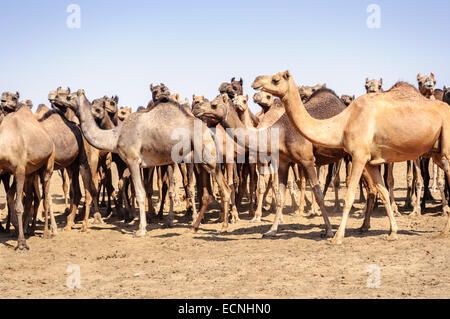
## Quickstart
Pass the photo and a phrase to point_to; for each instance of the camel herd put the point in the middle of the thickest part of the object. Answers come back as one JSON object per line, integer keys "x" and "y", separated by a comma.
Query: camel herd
{"x": 307, "y": 127}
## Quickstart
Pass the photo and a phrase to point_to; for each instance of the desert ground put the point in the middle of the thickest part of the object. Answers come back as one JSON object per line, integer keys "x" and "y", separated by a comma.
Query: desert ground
{"x": 177, "y": 263}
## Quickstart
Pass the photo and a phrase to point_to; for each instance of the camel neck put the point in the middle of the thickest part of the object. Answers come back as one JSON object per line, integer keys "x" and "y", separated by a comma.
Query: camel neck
{"x": 327, "y": 133}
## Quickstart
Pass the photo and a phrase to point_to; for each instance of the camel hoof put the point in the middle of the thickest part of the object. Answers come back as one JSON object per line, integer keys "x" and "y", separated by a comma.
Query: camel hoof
{"x": 46, "y": 235}
{"x": 391, "y": 237}
{"x": 139, "y": 233}
{"x": 417, "y": 212}
{"x": 255, "y": 220}
{"x": 97, "y": 219}
{"x": 269, "y": 234}
{"x": 195, "y": 230}
{"x": 335, "y": 241}
{"x": 67, "y": 228}
{"x": 364, "y": 229}
{"x": 223, "y": 230}
{"x": 22, "y": 247}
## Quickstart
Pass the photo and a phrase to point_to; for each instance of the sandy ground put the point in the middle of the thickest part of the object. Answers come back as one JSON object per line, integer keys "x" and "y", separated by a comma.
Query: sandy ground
{"x": 176, "y": 263}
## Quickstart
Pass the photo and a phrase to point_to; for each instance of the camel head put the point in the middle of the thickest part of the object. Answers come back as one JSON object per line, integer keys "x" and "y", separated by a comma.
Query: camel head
{"x": 307, "y": 91}
{"x": 123, "y": 113}
{"x": 212, "y": 112}
{"x": 265, "y": 100}
{"x": 160, "y": 93}
{"x": 277, "y": 85}
{"x": 233, "y": 88}
{"x": 10, "y": 101}
{"x": 347, "y": 99}
{"x": 198, "y": 99}
{"x": 240, "y": 103}
{"x": 446, "y": 95}
{"x": 98, "y": 109}
{"x": 374, "y": 86}
{"x": 56, "y": 98}
{"x": 426, "y": 84}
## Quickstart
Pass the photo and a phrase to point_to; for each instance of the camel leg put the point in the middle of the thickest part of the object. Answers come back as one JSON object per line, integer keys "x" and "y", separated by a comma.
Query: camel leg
{"x": 75, "y": 192}
{"x": 231, "y": 185}
{"x": 225, "y": 193}
{"x": 206, "y": 194}
{"x": 440, "y": 185}
{"x": 37, "y": 201}
{"x": 317, "y": 191}
{"x": 390, "y": 185}
{"x": 90, "y": 197}
{"x": 279, "y": 193}
{"x": 384, "y": 193}
{"x": 46, "y": 176}
{"x": 65, "y": 180}
{"x": 355, "y": 176}
{"x": 19, "y": 210}
{"x": 261, "y": 190}
{"x": 253, "y": 181}
{"x": 425, "y": 170}
{"x": 371, "y": 198}
{"x": 417, "y": 185}
{"x": 434, "y": 178}
{"x": 301, "y": 184}
{"x": 190, "y": 185}
{"x": 135, "y": 172}
{"x": 164, "y": 188}
{"x": 443, "y": 163}
{"x": 409, "y": 183}
{"x": 171, "y": 189}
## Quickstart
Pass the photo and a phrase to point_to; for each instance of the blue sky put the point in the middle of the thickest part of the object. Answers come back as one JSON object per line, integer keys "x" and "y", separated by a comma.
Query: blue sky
{"x": 193, "y": 46}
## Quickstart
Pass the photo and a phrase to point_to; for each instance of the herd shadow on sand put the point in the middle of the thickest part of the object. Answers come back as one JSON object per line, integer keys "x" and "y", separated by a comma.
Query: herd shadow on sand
{"x": 240, "y": 231}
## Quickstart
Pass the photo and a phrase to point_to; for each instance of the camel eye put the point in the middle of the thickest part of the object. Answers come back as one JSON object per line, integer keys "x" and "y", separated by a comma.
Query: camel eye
{"x": 214, "y": 106}
{"x": 276, "y": 81}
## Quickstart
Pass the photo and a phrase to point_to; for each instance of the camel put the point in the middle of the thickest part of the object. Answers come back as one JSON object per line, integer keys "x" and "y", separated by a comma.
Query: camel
{"x": 232, "y": 89}
{"x": 347, "y": 99}
{"x": 307, "y": 91}
{"x": 375, "y": 129}
{"x": 426, "y": 87}
{"x": 446, "y": 95}
{"x": 292, "y": 147}
{"x": 73, "y": 154}
{"x": 229, "y": 156}
{"x": 123, "y": 113}
{"x": 142, "y": 144}
{"x": 27, "y": 150}
{"x": 374, "y": 86}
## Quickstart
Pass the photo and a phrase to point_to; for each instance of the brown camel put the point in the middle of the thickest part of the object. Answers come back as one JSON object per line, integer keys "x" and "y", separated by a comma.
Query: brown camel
{"x": 307, "y": 91}
{"x": 426, "y": 85}
{"x": 446, "y": 95}
{"x": 74, "y": 154}
{"x": 347, "y": 99}
{"x": 292, "y": 147}
{"x": 142, "y": 144}
{"x": 27, "y": 150}
{"x": 232, "y": 89}
{"x": 374, "y": 86}
{"x": 375, "y": 129}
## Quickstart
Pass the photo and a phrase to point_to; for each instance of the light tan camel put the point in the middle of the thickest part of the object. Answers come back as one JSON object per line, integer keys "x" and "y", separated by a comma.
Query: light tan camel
{"x": 26, "y": 150}
{"x": 375, "y": 129}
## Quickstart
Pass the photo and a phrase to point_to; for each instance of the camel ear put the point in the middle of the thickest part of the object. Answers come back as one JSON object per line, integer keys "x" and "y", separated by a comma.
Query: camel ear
{"x": 445, "y": 88}
{"x": 68, "y": 88}
{"x": 286, "y": 75}
{"x": 80, "y": 92}
{"x": 246, "y": 97}
{"x": 353, "y": 97}
{"x": 432, "y": 75}
{"x": 324, "y": 86}
{"x": 151, "y": 87}
{"x": 418, "y": 76}
{"x": 241, "y": 81}
{"x": 381, "y": 82}
{"x": 367, "y": 80}
{"x": 17, "y": 94}
{"x": 116, "y": 98}
{"x": 232, "y": 80}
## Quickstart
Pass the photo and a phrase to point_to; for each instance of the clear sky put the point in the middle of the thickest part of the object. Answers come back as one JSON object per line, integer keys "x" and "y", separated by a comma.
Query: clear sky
{"x": 192, "y": 45}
